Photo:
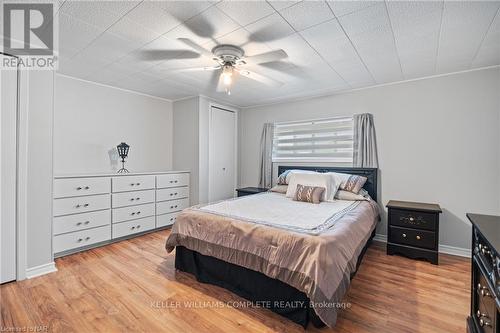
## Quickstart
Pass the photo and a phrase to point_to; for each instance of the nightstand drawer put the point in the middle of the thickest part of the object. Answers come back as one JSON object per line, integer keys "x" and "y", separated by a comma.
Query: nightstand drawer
{"x": 412, "y": 237}
{"x": 413, "y": 219}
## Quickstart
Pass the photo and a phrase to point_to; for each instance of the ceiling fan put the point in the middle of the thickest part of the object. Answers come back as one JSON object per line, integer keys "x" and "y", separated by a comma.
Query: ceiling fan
{"x": 231, "y": 61}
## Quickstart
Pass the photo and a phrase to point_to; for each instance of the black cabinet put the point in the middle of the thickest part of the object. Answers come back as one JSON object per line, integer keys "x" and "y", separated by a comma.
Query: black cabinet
{"x": 485, "y": 281}
{"x": 250, "y": 190}
{"x": 413, "y": 230}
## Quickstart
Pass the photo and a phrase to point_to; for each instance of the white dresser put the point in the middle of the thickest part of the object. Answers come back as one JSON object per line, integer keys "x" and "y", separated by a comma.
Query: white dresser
{"x": 94, "y": 210}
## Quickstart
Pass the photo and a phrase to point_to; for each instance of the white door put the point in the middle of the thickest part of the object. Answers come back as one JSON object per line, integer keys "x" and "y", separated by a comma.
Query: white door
{"x": 222, "y": 154}
{"x": 8, "y": 115}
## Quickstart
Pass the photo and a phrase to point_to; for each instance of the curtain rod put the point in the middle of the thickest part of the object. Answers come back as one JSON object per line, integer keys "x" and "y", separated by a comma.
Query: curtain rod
{"x": 310, "y": 120}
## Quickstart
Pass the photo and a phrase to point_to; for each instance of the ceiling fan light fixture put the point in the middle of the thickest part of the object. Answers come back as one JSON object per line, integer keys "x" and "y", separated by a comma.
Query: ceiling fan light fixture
{"x": 227, "y": 73}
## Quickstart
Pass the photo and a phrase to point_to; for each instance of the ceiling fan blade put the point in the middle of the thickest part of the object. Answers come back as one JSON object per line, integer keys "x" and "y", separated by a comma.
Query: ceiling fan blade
{"x": 156, "y": 55}
{"x": 259, "y": 78}
{"x": 195, "y": 69}
{"x": 266, "y": 57}
{"x": 196, "y": 47}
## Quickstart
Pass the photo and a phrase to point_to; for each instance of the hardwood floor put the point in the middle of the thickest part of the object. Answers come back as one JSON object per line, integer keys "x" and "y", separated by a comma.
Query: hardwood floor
{"x": 133, "y": 286}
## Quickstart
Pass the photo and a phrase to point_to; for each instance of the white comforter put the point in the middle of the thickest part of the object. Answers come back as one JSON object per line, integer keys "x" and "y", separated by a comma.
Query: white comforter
{"x": 274, "y": 209}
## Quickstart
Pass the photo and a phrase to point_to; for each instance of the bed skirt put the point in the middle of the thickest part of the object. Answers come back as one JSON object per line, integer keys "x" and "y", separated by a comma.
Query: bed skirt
{"x": 254, "y": 286}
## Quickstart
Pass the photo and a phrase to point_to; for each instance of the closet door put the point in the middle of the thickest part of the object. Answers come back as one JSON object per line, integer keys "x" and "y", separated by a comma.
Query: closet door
{"x": 222, "y": 154}
{"x": 8, "y": 157}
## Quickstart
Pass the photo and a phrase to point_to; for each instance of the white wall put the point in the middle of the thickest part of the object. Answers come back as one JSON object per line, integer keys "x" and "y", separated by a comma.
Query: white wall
{"x": 186, "y": 142}
{"x": 438, "y": 141}
{"x": 92, "y": 119}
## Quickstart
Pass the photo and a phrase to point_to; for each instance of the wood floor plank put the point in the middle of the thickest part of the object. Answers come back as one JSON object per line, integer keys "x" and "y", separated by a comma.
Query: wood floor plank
{"x": 133, "y": 286}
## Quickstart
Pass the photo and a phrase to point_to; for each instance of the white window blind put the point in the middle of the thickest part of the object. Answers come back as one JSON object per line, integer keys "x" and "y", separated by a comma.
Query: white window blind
{"x": 326, "y": 140}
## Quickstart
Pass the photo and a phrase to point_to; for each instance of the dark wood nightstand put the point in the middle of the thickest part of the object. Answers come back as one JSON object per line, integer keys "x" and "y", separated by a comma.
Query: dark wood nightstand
{"x": 250, "y": 190}
{"x": 413, "y": 229}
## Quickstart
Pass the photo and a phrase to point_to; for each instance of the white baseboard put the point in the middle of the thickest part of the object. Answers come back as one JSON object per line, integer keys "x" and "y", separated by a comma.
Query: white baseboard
{"x": 456, "y": 251}
{"x": 41, "y": 270}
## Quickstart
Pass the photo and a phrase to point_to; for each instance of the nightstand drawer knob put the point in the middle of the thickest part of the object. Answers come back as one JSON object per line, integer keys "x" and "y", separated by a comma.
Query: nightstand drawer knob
{"x": 418, "y": 237}
{"x": 412, "y": 219}
{"x": 404, "y": 235}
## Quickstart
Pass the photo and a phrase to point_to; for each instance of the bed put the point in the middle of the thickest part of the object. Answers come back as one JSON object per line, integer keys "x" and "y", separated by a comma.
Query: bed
{"x": 296, "y": 259}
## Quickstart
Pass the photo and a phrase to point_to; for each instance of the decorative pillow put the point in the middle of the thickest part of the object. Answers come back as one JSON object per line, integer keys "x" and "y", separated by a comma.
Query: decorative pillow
{"x": 325, "y": 180}
{"x": 345, "y": 195}
{"x": 310, "y": 194}
{"x": 350, "y": 183}
{"x": 279, "y": 189}
{"x": 284, "y": 178}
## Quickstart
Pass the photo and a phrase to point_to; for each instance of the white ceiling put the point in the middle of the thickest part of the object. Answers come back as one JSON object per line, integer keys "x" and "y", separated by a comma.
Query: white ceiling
{"x": 331, "y": 45}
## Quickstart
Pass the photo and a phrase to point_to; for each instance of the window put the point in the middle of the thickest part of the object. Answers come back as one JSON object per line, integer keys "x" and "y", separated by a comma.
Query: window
{"x": 326, "y": 140}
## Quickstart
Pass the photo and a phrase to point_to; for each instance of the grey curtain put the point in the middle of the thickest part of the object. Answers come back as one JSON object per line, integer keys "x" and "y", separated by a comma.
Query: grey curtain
{"x": 365, "y": 143}
{"x": 266, "y": 155}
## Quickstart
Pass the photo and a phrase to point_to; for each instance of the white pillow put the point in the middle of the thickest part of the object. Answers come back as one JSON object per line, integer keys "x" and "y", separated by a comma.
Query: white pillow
{"x": 326, "y": 180}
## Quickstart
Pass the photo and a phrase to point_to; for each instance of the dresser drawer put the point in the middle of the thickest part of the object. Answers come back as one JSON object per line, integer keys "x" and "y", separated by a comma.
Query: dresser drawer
{"x": 81, "y": 238}
{"x": 72, "y": 187}
{"x": 133, "y": 212}
{"x": 166, "y": 219}
{"x": 171, "y": 206}
{"x": 172, "y": 193}
{"x": 132, "y": 183}
{"x": 172, "y": 180}
{"x": 76, "y": 222}
{"x": 413, "y": 219}
{"x": 412, "y": 237}
{"x": 132, "y": 198}
{"x": 66, "y": 206}
{"x": 133, "y": 227}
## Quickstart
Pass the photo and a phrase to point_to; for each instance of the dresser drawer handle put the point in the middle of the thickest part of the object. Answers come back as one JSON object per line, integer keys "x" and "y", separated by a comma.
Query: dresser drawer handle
{"x": 79, "y": 239}
{"x": 175, "y": 193}
{"x": 173, "y": 206}
{"x": 404, "y": 235}
{"x": 87, "y": 238}
{"x": 86, "y": 222}
{"x": 87, "y": 187}
{"x": 171, "y": 181}
{"x": 79, "y": 223}
{"x": 132, "y": 228}
{"x": 132, "y": 184}
{"x": 78, "y": 188}
{"x": 418, "y": 237}
{"x": 137, "y": 198}
{"x": 133, "y": 213}
{"x": 85, "y": 205}
{"x": 171, "y": 219}
{"x": 137, "y": 184}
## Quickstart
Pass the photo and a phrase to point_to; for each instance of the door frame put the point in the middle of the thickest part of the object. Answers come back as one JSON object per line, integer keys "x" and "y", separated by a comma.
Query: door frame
{"x": 21, "y": 169}
{"x": 210, "y": 140}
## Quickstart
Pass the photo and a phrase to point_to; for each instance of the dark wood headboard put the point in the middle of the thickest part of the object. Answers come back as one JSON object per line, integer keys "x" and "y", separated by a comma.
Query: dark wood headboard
{"x": 369, "y": 173}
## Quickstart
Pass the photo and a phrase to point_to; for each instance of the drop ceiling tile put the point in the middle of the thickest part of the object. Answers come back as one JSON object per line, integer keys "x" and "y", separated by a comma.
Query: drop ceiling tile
{"x": 270, "y": 28}
{"x": 371, "y": 34}
{"x": 306, "y": 14}
{"x": 489, "y": 52}
{"x": 101, "y": 14}
{"x": 106, "y": 76}
{"x": 281, "y": 4}
{"x": 333, "y": 45}
{"x": 75, "y": 34}
{"x": 416, "y": 28}
{"x": 245, "y": 12}
{"x": 463, "y": 28}
{"x": 183, "y": 10}
{"x": 128, "y": 29}
{"x": 109, "y": 46}
{"x": 341, "y": 8}
{"x": 150, "y": 16}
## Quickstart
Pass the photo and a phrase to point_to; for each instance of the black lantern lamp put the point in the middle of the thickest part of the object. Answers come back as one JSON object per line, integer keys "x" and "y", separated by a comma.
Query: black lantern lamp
{"x": 123, "y": 152}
